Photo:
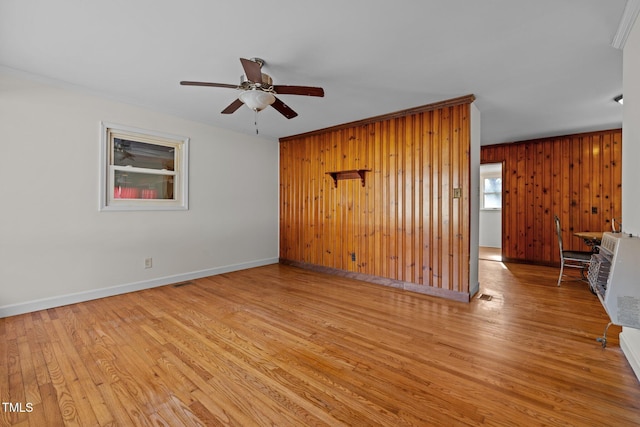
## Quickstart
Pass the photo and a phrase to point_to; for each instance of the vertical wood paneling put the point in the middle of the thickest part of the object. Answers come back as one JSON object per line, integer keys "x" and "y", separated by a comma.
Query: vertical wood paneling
{"x": 445, "y": 234}
{"x": 418, "y": 188}
{"x": 379, "y": 179}
{"x": 607, "y": 190}
{"x": 576, "y": 177}
{"x": 404, "y": 224}
{"x": 547, "y": 199}
{"x": 520, "y": 191}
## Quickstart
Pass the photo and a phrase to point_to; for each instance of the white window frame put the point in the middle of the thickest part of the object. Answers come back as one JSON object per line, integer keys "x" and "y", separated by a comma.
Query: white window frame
{"x": 484, "y": 176}
{"x": 180, "y": 201}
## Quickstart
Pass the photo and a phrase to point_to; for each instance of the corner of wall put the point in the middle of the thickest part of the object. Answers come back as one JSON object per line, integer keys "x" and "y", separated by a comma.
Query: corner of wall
{"x": 474, "y": 194}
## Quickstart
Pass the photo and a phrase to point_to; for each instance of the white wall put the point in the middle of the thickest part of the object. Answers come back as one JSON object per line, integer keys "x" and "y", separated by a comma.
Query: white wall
{"x": 474, "y": 284}
{"x": 56, "y": 247}
{"x": 631, "y": 133}
{"x": 491, "y": 228}
{"x": 630, "y": 338}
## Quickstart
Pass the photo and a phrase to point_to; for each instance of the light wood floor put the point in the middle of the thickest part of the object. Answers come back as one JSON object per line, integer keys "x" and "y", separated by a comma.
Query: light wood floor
{"x": 282, "y": 346}
{"x": 490, "y": 254}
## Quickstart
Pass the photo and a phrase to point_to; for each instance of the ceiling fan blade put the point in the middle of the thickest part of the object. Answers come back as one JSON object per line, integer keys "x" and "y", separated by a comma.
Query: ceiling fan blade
{"x": 187, "y": 83}
{"x": 252, "y": 70}
{"x": 232, "y": 107}
{"x": 298, "y": 90}
{"x": 284, "y": 109}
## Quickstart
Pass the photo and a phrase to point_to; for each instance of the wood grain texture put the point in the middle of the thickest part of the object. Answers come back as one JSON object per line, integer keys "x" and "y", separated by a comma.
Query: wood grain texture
{"x": 404, "y": 224}
{"x": 568, "y": 176}
{"x": 278, "y": 345}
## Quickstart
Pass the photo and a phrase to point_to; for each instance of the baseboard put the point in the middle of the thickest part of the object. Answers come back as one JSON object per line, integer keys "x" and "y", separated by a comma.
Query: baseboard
{"x": 399, "y": 284}
{"x": 45, "y": 303}
{"x": 632, "y": 356}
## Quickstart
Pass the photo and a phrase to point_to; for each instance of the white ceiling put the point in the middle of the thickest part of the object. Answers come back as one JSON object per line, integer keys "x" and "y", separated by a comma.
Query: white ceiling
{"x": 537, "y": 68}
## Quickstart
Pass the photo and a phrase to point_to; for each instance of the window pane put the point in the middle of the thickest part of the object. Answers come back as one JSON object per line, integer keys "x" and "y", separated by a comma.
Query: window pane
{"x": 142, "y": 155}
{"x": 493, "y": 185}
{"x": 493, "y": 201}
{"x": 143, "y": 170}
{"x": 133, "y": 185}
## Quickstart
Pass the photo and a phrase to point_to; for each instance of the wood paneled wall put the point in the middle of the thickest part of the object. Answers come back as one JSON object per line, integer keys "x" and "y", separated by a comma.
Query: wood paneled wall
{"x": 404, "y": 224}
{"x": 577, "y": 177}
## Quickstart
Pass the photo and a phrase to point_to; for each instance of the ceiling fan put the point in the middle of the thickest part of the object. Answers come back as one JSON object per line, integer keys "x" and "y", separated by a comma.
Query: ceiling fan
{"x": 258, "y": 90}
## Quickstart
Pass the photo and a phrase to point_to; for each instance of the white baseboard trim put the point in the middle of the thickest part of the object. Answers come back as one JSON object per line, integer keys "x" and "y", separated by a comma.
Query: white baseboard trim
{"x": 632, "y": 357}
{"x": 45, "y": 303}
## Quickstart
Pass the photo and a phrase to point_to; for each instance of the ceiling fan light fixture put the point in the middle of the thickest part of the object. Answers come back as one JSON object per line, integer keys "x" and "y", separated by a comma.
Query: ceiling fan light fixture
{"x": 257, "y": 100}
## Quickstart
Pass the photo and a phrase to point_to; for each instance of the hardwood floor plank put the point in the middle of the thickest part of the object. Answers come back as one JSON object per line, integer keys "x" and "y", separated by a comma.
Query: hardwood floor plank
{"x": 28, "y": 372}
{"x": 233, "y": 365}
{"x": 50, "y": 409}
{"x": 15, "y": 385}
{"x": 217, "y": 403}
{"x": 278, "y": 345}
{"x": 65, "y": 399}
{"x": 73, "y": 359}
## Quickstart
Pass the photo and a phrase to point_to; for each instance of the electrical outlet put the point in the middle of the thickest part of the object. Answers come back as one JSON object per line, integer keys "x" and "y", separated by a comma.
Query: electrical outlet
{"x": 148, "y": 262}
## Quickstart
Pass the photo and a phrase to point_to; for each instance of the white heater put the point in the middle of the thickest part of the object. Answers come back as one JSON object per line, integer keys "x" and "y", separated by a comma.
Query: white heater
{"x": 614, "y": 273}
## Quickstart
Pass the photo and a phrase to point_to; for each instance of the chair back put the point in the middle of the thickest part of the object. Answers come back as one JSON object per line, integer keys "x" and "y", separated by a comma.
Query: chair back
{"x": 615, "y": 221}
{"x": 558, "y": 232}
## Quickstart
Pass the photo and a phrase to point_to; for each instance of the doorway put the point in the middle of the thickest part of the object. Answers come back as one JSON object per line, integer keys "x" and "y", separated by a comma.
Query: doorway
{"x": 490, "y": 238}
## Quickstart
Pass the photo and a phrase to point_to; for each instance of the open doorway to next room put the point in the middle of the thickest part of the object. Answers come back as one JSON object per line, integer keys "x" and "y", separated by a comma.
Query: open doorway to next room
{"x": 490, "y": 239}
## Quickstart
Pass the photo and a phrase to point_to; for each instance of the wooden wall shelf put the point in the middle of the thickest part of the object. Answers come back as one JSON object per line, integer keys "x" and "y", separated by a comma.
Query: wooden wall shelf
{"x": 348, "y": 174}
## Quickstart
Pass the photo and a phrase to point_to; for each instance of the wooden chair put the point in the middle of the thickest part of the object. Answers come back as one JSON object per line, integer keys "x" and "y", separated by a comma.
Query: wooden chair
{"x": 571, "y": 259}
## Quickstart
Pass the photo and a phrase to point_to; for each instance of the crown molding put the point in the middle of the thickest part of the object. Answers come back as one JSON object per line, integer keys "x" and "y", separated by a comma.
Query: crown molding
{"x": 629, "y": 16}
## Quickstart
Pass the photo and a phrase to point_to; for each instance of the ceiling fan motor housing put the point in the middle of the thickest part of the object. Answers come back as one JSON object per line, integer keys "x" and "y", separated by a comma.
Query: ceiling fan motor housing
{"x": 266, "y": 81}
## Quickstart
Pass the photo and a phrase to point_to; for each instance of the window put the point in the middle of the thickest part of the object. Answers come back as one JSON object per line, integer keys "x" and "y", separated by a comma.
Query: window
{"x": 142, "y": 170}
{"x": 491, "y": 192}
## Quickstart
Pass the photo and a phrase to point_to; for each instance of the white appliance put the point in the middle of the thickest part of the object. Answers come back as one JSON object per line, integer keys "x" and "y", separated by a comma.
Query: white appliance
{"x": 614, "y": 274}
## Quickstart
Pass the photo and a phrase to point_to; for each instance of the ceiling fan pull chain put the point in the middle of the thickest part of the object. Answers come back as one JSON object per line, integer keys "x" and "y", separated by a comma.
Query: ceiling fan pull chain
{"x": 255, "y": 120}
